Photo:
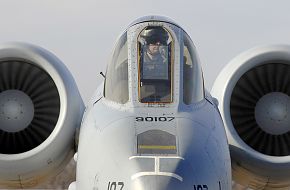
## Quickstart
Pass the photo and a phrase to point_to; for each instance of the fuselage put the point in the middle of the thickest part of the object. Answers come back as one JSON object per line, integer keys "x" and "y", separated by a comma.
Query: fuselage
{"x": 153, "y": 129}
{"x": 153, "y": 148}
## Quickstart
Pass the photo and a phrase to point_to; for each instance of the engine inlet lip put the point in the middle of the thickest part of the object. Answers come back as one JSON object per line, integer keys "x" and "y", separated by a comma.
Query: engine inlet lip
{"x": 64, "y": 82}
{"x": 223, "y": 88}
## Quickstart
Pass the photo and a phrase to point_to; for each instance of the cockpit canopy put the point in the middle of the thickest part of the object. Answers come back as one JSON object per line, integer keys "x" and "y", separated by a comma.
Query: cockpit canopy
{"x": 116, "y": 83}
{"x": 156, "y": 51}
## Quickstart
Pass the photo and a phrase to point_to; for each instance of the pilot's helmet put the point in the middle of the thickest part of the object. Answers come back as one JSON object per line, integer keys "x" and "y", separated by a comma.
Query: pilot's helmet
{"x": 154, "y": 34}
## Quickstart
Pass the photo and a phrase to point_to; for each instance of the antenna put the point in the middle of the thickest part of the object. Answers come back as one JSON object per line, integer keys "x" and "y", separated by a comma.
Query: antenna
{"x": 101, "y": 73}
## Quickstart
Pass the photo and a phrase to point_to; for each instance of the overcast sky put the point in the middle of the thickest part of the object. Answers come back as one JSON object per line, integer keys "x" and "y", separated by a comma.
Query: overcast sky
{"x": 82, "y": 33}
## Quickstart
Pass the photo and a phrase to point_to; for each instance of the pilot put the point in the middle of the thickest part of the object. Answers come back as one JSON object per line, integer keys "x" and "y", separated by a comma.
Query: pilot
{"x": 154, "y": 54}
{"x": 155, "y": 64}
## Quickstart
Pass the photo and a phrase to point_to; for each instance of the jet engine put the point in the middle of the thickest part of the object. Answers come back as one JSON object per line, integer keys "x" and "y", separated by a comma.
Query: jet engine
{"x": 253, "y": 93}
{"x": 40, "y": 109}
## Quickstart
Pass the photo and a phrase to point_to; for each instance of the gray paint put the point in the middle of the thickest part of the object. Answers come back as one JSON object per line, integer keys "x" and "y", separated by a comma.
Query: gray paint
{"x": 201, "y": 157}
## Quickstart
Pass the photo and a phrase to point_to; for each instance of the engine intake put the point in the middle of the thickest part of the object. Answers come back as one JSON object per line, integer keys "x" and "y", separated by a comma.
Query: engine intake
{"x": 260, "y": 108}
{"x": 40, "y": 109}
{"x": 30, "y": 106}
{"x": 253, "y": 93}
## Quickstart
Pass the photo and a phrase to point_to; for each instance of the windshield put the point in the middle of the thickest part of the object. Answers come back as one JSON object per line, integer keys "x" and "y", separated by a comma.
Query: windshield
{"x": 155, "y": 63}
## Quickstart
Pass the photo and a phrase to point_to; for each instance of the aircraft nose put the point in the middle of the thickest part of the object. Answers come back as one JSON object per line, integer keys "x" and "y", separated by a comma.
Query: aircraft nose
{"x": 160, "y": 173}
{"x": 157, "y": 182}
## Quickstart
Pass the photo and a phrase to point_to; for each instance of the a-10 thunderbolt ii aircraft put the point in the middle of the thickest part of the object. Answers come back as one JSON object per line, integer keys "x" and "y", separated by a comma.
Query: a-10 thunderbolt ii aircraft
{"x": 151, "y": 125}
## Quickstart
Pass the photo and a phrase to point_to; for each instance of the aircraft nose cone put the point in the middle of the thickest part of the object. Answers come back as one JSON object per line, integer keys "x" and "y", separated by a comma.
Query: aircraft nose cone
{"x": 155, "y": 182}
{"x": 161, "y": 173}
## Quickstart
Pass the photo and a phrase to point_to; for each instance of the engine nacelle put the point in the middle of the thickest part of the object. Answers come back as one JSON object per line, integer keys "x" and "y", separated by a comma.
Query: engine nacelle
{"x": 40, "y": 109}
{"x": 253, "y": 93}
